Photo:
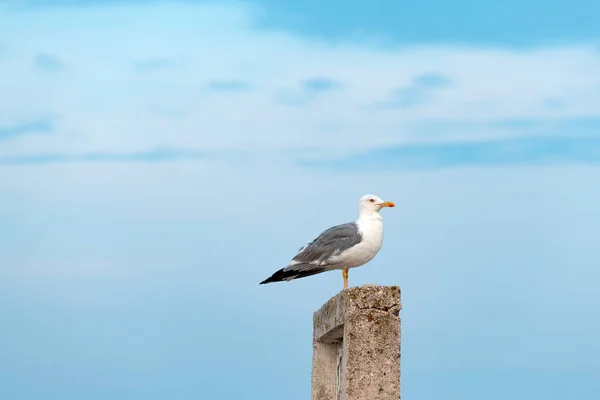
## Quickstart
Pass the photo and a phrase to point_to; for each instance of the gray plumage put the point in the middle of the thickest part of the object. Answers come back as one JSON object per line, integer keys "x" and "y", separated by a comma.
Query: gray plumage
{"x": 315, "y": 257}
{"x": 329, "y": 243}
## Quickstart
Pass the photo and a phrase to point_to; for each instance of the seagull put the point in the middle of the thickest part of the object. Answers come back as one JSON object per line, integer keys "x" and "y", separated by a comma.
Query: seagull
{"x": 342, "y": 247}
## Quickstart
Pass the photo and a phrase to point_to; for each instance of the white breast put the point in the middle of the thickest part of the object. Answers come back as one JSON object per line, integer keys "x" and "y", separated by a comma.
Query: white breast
{"x": 371, "y": 229}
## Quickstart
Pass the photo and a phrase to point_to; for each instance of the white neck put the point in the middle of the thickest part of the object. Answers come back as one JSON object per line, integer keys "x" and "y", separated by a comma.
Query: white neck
{"x": 369, "y": 215}
{"x": 370, "y": 225}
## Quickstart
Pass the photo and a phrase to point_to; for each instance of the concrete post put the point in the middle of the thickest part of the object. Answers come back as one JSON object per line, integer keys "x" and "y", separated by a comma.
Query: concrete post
{"x": 356, "y": 345}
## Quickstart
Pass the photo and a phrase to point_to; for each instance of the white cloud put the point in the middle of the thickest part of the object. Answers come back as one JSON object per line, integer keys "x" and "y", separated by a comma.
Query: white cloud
{"x": 104, "y": 104}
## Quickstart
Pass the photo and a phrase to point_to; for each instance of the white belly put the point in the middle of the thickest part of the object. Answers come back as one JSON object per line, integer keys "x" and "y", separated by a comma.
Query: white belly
{"x": 362, "y": 253}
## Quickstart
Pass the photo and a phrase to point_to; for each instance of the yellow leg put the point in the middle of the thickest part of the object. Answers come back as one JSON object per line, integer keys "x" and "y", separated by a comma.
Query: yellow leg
{"x": 345, "y": 275}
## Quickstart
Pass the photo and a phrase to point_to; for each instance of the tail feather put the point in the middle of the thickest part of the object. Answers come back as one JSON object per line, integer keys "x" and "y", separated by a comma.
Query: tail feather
{"x": 288, "y": 275}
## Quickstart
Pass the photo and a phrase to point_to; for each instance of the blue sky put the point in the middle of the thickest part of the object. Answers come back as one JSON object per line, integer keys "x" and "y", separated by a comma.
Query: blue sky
{"x": 158, "y": 160}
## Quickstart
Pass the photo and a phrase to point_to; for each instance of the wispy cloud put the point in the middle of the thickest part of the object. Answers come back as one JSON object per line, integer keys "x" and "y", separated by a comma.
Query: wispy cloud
{"x": 507, "y": 152}
{"x": 519, "y": 151}
{"x": 417, "y": 92}
{"x": 318, "y": 85}
{"x": 554, "y": 104}
{"x": 48, "y": 62}
{"x": 431, "y": 80}
{"x": 458, "y": 89}
{"x": 308, "y": 90}
{"x": 151, "y": 156}
{"x": 231, "y": 85}
{"x": 25, "y": 128}
{"x": 152, "y": 64}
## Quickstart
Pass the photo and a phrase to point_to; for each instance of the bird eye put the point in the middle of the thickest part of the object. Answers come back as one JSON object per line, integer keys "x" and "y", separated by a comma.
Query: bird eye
{"x": 372, "y": 200}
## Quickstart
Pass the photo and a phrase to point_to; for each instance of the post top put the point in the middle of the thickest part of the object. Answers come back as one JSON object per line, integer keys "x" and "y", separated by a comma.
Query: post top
{"x": 328, "y": 321}
{"x": 377, "y": 297}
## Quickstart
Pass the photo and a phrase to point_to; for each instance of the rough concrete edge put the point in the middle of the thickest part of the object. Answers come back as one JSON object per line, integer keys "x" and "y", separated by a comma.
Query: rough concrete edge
{"x": 329, "y": 319}
{"x": 331, "y": 316}
{"x": 376, "y": 297}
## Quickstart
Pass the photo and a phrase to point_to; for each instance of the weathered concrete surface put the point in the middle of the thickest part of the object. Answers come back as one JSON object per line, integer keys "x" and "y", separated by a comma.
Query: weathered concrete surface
{"x": 356, "y": 345}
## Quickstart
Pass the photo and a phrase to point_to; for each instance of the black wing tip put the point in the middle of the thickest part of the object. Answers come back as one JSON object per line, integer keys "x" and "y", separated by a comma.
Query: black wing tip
{"x": 277, "y": 277}
{"x": 289, "y": 275}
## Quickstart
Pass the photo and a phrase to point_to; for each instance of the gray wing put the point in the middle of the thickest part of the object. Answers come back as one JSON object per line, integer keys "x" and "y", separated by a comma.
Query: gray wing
{"x": 317, "y": 254}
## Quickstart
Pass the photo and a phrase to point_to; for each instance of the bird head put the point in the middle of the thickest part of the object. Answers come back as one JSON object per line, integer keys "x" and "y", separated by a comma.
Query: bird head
{"x": 371, "y": 203}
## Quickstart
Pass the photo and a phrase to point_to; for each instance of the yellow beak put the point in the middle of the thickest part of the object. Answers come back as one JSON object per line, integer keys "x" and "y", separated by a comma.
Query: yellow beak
{"x": 388, "y": 204}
